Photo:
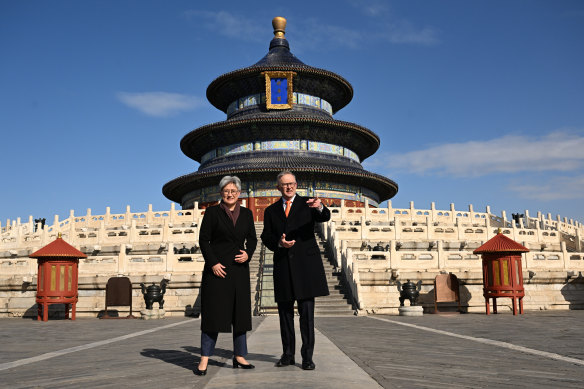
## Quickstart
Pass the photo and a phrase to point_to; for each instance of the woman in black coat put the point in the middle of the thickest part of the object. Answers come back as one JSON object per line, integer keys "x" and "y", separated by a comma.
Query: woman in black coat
{"x": 228, "y": 239}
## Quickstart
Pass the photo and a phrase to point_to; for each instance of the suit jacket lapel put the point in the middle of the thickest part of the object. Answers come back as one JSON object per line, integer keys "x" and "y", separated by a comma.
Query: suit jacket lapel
{"x": 295, "y": 206}
{"x": 280, "y": 209}
{"x": 226, "y": 219}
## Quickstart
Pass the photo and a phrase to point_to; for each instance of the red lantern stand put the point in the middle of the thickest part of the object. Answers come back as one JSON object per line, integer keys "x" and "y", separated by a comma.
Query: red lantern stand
{"x": 502, "y": 273}
{"x": 57, "y": 277}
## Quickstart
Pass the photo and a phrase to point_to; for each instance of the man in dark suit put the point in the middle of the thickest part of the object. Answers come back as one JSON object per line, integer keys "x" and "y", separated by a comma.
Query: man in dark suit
{"x": 298, "y": 270}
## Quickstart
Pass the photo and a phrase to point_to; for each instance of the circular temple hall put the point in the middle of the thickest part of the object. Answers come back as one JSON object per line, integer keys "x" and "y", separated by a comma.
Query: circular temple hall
{"x": 280, "y": 117}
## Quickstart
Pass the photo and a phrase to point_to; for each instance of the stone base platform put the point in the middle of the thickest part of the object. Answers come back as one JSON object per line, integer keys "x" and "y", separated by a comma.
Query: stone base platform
{"x": 413, "y": 310}
{"x": 152, "y": 314}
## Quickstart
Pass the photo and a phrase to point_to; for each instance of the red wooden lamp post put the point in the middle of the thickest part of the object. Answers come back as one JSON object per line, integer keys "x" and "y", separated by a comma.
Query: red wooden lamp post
{"x": 57, "y": 277}
{"x": 502, "y": 274}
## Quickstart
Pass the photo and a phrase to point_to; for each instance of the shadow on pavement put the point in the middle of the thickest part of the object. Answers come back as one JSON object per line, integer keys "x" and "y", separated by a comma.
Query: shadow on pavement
{"x": 189, "y": 358}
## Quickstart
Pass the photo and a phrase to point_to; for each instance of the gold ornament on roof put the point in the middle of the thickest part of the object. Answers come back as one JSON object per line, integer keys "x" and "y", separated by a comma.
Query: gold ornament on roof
{"x": 279, "y": 24}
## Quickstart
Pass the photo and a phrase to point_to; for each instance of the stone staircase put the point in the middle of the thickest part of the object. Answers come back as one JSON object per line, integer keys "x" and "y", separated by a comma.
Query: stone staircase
{"x": 254, "y": 269}
{"x": 337, "y": 303}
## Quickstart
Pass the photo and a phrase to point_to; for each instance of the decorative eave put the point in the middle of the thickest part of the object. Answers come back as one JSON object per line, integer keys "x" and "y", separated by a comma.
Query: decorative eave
{"x": 176, "y": 189}
{"x": 361, "y": 140}
{"x": 314, "y": 81}
{"x": 501, "y": 244}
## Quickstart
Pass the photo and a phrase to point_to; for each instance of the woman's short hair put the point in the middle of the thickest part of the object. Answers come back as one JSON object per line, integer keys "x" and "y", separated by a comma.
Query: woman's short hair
{"x": 230, "y": 180}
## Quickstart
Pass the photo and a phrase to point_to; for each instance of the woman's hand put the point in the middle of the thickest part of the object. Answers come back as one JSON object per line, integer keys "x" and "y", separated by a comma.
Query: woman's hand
{"x": 218, "y": 270}
{"x": 242, "y": 257}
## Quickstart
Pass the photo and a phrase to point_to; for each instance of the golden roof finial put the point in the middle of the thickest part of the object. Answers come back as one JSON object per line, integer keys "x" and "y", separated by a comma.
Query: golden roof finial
{"x": 60, "y": 236}
{"x": 279, "y": 24}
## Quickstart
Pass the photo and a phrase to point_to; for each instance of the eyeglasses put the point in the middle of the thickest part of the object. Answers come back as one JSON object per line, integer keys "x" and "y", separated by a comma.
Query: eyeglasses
{"x": 230, "y": 191}
{"x": 288, "y": 184}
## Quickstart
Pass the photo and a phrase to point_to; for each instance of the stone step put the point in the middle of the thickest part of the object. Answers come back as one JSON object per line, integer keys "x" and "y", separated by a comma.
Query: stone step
{"x": 337, "y": 303}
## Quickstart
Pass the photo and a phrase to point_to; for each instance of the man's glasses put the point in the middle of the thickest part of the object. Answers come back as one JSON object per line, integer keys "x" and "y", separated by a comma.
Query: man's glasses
{"x": 288, "y": 184}
{"x": 230, "y": 191}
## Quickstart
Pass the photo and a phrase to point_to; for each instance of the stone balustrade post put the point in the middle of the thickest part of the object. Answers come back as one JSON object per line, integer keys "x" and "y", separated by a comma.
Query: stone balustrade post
{"x": 56, "y": 227}
{"x": 397, "y": 228}
{"x": 565, "y": 256}
{"x": 149, "y": 215}
{"x": 122, "y": 259}
{"x": 101, "y": 234}
{"x": 342, "y": 249}
{"x": 452, "y": 212}
{"x": 72, "y": 225}
{"x": 348, "y": 253}
{"x": 172, "y": 213}
{"x": 429, "y": 228}
{"x": 44, "y": 233}
{"x": 19, "y": 234}
{"x": 441, "y": 255}
{"x": 433, "y": 211}
{"x": 133, "y": 232}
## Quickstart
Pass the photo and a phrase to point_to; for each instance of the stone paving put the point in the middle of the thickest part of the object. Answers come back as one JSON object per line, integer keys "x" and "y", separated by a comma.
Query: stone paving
{"x": 536, "y": 350}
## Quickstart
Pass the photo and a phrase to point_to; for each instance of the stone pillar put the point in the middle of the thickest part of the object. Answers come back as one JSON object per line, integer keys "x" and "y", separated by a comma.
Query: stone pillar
{"x": 412, "y": 210}
{"x": 441, "y": 255}
{"x": 72, "y": 224}
{"x": 429, "y": 226}
{"x": 149, "y": 215}
{"x": 122, "y": 259}
{"x": 565, "y": 255}
{"x": 433, "y": 210}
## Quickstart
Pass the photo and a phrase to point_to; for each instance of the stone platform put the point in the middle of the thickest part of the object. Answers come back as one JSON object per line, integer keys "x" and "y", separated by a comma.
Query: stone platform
{"x": 536, "y": 350}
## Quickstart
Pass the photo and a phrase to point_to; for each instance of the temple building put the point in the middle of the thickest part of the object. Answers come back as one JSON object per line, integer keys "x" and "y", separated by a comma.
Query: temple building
{"x": 280, "y": 117}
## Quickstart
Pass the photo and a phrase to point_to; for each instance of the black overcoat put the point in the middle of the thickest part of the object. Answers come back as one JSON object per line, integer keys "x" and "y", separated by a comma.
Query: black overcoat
{"x": 226, "y": 301}
{"x": 298, "y": 271}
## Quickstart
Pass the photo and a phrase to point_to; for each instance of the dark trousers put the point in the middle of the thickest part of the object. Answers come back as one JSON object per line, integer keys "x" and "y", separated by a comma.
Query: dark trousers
{"x": 209, "y": 339}
{"x": 286, "y": 313}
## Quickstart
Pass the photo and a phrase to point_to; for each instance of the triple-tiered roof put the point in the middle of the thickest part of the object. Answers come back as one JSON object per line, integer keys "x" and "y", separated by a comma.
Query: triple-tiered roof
{"x": 263, "y": 135}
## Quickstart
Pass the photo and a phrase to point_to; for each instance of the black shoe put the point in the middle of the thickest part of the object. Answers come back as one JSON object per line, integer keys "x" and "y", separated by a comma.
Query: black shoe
{"x": 308, "y": 365}
{"x": 199, "y": 372}
{"x": 237, "y": 364}
{"x": 285, "y": 361}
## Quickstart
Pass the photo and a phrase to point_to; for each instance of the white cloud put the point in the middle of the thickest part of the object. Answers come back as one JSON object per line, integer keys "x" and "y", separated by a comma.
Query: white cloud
{"x": 230, "y": 25}
{"x": 405, "y": 32}
{"x": 557, "y": 151}
{"x": 390, "y": 27}
{"x": 371, "y": 8}
{"x": 556, "y": 188}
{"x": 160, "y": 104}
{"x": 324, "y": 35}
{"x": 384, "y": 27}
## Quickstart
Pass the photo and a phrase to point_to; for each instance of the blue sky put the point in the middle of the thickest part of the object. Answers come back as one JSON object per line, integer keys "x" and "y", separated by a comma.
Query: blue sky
{"x": 475, "y": 102}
